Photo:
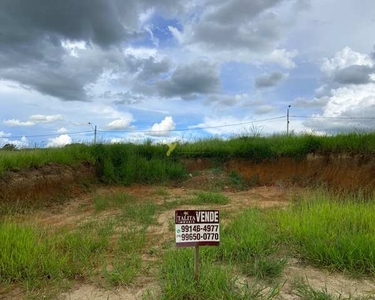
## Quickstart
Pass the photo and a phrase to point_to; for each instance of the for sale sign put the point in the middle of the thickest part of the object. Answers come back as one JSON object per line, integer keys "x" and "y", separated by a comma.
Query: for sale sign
{"x": 197, "y": 228}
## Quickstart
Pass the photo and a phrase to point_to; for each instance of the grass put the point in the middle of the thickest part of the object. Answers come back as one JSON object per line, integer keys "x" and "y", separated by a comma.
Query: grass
{"x": 113, "y": 200}
{"x": 333, "y": 232}
{"x": 305, "y": 291}
{"x": 142, "y": 213}
{"x": 127, "y": 262}
{"x": 122, "y": 271}
{"x": 148, "y": 163}
{"x": 249, "y": 242}
{"x": 27, "y": 255}
{"x": 215, "y": 282}
{"x": 324, "y": 230}
{"x": 209, "y": 198}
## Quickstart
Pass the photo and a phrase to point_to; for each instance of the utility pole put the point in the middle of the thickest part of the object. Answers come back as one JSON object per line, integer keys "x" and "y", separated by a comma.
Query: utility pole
{"x": 95, "y": 131}
{"x": 287, "y": 120}
{"x": 95, "y": 135}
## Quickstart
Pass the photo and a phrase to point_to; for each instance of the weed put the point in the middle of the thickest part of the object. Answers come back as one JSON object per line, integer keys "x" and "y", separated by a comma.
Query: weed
{"x": 305, "y": 291}
{"x": 237, "y": 180}
{"x": 263, "y": 267}
{"x": 337, "y": 233}
{"x": 249, "y": 243}
{"x": 142, "y": 213}
{"x": 161, "y": 192}
{"x": 123, "y": 270}
{"x": 115, "y": 200}
{"x": 131, "y": 241}
{"x": 215, "y": 282}
{"x": 28, "y": 256}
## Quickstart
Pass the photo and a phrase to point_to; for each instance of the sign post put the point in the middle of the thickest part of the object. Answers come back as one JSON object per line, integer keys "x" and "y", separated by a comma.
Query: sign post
{"x": 196, "y": 228}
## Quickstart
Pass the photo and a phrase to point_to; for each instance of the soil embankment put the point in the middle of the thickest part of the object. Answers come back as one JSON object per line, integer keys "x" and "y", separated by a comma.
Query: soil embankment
{"x": 341, "y": 172}
{"x": 47, "y": 182}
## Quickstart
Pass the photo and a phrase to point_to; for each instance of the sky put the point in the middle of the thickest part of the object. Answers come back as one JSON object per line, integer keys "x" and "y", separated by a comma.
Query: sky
{"x": 183, "y": 70}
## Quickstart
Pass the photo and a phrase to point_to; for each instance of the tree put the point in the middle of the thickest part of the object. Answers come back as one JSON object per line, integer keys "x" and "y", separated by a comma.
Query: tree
{"x": 9, "y": 147}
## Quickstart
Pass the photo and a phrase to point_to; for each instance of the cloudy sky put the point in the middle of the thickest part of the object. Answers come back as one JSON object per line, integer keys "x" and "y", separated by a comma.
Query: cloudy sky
{"x": 139, "y": 68}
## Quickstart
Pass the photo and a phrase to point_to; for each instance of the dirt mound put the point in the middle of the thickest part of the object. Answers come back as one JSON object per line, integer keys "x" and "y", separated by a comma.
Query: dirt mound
{"x": 341, "y": 172}
{"x": 50, "y": 181}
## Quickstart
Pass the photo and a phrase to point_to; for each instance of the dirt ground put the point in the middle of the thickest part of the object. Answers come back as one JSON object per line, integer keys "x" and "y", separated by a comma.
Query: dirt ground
{"x": 80, "y": 209}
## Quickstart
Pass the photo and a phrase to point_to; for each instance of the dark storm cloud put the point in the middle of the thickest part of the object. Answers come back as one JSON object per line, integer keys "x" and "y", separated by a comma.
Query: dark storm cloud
{"x": 238, "y": 24}
{"x": 32, "y": 32}
{"x": 269, "y": 80}
{"x": 354, "y": 75}
{"x": 239, "y": 10}
{"x": 98, "y": 21}
{"x": 152, "y": 68}
{"x": 123, "y": 97}
{"x": 189, "y": 81}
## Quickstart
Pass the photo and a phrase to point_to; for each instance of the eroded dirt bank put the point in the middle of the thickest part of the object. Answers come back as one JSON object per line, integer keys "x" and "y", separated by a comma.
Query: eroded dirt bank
{"x": 343, "y": 172}
{"x": 48, "y": 182}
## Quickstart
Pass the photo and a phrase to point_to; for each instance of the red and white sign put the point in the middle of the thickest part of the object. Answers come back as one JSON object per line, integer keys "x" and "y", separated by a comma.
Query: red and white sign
{"x": 197, "y": 228}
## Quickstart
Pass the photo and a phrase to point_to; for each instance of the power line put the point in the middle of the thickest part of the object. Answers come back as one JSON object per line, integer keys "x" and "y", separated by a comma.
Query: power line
{"x": 189, "y": 128}
{"x": 45, "y": 135}
{"x": 336, "y": 118}
{"x": 194, "y": 128}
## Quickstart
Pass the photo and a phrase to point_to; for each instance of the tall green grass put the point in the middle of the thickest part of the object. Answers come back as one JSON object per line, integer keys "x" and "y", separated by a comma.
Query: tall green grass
{"x": 26, "y": 255}
{"x": 215, "y": 282}
{"x": 22, "y": 159}
{"x": 250, "y": 243}
{"x": 337, "y": 233}
{"x": 324, "y": 230}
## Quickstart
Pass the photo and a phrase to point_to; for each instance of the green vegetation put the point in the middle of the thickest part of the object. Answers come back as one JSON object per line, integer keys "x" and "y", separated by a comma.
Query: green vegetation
{"x": 306, "y": 292}
{"x": 324, "y": 230}
{"x": 72, "y": 155}
{"x": 148, "y": 163}
{"x": 337, "y": 233}
{"x": 29, "y": 255}
{"x": 215, "y": 282}
{"x": 209, "y": 198}
{"x": 142, "y": 213}
{"x": 113, "y": 200}
{"x": 250, "y": 243}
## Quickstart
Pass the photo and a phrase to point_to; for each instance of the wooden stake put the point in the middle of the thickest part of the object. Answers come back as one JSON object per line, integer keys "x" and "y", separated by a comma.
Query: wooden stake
{"x": 196, "y": 263}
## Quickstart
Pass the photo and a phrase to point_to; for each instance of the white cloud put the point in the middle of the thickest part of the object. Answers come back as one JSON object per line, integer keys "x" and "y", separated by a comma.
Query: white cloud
{"x": 73, "y": 46}
{"x": 221, "y": 123}
{"x": 141, "y": 53}
{"x": 163, "y": 128}
{"x": 119, "y": 124}
{"x": 4, "y": 134}
{"x": 45, "y": 119}
{"x": 62, "y": 130}
{"x": 59, "y": 141}
{"x": 33, "y": 120}
{"x": 348, "y": 101}
{"x": 17, "y": 123}
{"x": 178, "y": 35}
{"x": 343, "y": 59}
{"x": 22, "y": 143}
{"x": 283, "y": 58}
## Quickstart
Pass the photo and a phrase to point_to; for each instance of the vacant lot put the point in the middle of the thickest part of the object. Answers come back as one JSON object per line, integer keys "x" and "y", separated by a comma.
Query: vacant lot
{"x": 118, "y": 243}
